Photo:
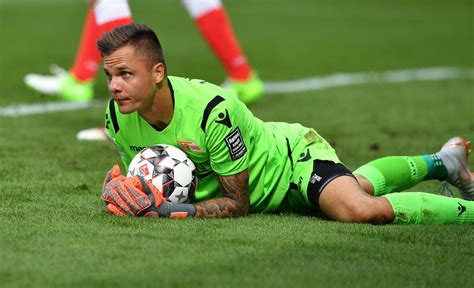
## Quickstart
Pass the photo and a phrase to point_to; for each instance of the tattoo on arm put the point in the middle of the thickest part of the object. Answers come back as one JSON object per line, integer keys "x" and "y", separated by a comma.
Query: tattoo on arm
{"x": 235, "y": 199}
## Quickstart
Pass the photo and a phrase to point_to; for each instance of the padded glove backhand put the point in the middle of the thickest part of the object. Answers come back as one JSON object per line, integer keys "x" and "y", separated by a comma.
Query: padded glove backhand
{"x": 113, "y": 173}
{"x": 138, "y": 197}
{"x": 126, "y": 196}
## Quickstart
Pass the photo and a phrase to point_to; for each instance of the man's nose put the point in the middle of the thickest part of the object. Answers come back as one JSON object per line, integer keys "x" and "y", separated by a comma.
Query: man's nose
{"x": 114, "y": 84}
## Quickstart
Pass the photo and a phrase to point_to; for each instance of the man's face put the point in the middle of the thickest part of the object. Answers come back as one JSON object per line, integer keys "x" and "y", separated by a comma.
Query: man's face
{"x": 130, "y": 79}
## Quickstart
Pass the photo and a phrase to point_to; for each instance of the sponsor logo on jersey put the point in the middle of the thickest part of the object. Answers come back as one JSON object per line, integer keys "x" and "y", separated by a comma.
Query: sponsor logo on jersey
{"x": 189, "y": 146}
{"x": 224, "y": 119}
{"x": 236, "y": 144}
{"x": 315, "y": 178}
{"x": 137, "y": 148}
{"x": 305, "y": 157}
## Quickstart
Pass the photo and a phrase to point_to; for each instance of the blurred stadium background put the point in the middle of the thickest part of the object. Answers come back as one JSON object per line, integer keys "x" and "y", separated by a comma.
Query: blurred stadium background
{"x": 55, "y": 232}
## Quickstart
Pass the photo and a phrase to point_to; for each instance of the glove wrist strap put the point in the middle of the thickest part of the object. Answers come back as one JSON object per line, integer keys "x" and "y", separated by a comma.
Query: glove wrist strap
{"x": 169, "y": 210}
{"x": 180, "y": 210}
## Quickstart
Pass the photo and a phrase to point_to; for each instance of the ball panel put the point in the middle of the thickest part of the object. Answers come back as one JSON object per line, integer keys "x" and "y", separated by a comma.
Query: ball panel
{"x": 182, "y": 174}
{"x": 176, "y": 154}
{"x": 144, "y": 169}
{"x": 148, "y": 153}
{"x": 157, "y": 181}
{"x": 166, "y": 162}
{"x": 179, "y": 195}
{"x": 190, "y": 164}
{"x": 169, "y": 169}
{"x": 133, "y": 164}
{"x": 168, "y": 186}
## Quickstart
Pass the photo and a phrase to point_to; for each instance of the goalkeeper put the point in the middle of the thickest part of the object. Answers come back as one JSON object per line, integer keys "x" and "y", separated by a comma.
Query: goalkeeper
{"x": 246, "y": 165}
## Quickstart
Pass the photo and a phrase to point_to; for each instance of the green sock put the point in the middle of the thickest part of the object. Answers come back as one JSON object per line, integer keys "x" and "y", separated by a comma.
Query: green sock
{"x": 397, "y": 173}
{"x": 436, "y": 168}
{"x": 394, "y": 173}
{"x": 426, "y": 208}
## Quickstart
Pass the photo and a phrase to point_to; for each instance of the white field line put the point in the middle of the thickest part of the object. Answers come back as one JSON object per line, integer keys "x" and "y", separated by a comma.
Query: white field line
{"x": 42, "y": 108}
{"x": 349, "y": 79}
{"x": 272, "y": 87}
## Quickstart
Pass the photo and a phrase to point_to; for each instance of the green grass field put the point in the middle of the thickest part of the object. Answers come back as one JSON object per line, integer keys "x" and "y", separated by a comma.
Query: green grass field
{"x": 54, "y": 231}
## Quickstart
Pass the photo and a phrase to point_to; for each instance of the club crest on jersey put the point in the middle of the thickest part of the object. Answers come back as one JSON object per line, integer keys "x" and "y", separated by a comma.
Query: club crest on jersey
{"x": 189, "y": 146}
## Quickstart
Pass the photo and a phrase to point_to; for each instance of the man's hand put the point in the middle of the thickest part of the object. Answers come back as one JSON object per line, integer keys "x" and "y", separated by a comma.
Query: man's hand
{"x": 138, "y": 197}
{"x": 112, "y": 174}
{"x": 129, "y": 196}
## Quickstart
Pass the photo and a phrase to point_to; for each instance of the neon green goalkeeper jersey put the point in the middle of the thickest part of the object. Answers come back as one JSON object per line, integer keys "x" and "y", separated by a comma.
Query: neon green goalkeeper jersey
{"x": 221, "y": 136}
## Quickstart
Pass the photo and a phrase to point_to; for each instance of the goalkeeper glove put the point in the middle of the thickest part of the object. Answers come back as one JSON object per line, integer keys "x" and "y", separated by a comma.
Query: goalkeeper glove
{"x": 138, "y": 197}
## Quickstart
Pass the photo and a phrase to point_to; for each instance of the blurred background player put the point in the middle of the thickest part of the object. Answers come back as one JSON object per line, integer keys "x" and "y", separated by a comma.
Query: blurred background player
{"x": 211, "y": 19}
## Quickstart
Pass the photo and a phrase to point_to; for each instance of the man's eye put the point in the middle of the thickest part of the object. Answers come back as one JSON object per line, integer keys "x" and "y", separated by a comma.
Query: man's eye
{"x": 125, "y": 74}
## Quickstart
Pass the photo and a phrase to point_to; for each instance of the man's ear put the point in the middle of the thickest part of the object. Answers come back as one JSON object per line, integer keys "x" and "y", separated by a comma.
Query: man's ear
{"x": 159, "y": 72}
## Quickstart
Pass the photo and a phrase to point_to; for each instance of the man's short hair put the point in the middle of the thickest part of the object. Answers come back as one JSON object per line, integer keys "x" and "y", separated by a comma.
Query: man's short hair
{"x": 138, "y": 36}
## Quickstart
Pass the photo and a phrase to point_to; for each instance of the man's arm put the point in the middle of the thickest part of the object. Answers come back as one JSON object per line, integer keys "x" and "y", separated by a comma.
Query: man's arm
{"x": 235, "y": 199}
{"x": 137, "y": 197}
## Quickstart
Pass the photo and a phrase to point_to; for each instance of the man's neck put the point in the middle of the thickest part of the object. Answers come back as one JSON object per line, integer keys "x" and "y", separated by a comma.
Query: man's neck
{"x": 160, "y": 113}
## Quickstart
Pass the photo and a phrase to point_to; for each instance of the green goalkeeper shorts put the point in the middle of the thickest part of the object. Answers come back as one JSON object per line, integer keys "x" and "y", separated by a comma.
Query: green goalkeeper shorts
{"x": 315, "y": 165}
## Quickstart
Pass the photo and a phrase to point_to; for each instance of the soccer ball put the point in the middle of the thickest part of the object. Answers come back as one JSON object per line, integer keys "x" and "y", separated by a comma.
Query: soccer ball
{"x": 169, "y": 169}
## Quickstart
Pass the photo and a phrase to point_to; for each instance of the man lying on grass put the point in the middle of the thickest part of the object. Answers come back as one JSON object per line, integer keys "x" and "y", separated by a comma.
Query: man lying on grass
{"x": 246, "y": 165}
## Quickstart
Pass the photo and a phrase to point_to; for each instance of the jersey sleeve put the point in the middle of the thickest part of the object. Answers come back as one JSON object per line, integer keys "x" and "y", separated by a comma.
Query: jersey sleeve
{"x": 112, "y": 128}
{"x": 227, "y": 136}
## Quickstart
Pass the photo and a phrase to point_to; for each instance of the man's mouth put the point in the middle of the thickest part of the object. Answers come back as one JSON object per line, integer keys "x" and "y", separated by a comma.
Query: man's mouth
{"x": 121, "y": 100}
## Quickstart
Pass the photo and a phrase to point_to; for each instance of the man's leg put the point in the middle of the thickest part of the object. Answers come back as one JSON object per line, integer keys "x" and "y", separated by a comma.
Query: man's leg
{"x": 215, "y": 27}
{"x": 397, "y": 173}
{"x": 77, "y": 84}
{"x": 325, "y": 183}
{"x": 344, "y": 200}
{"x": 103, "y": 16}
